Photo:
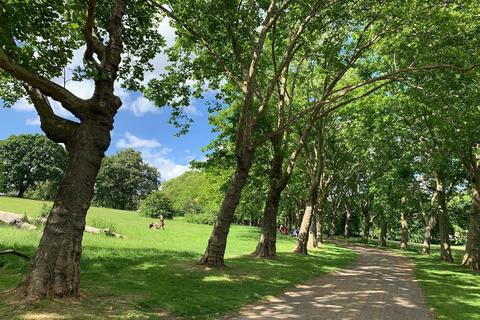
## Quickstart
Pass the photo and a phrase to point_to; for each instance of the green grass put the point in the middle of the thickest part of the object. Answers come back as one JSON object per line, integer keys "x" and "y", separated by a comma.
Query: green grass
{"x": 451, "y": 291}
{"x": 152, "y": 272}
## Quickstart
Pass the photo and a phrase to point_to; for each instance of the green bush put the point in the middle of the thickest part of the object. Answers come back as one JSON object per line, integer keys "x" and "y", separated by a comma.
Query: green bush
{"x": 155, "y": 204}
{"x": 43, "y": 190}
{"x": 201, "y": 218}
{"x": 45, "y": 210}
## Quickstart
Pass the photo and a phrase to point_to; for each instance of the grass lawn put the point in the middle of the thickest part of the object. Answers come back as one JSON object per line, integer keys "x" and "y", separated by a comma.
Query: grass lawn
{"x": 451, "y": 291}
{"x": 151, "y": 272}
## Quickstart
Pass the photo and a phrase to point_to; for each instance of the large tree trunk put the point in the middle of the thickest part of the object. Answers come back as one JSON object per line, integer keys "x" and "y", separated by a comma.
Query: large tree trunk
{"x": 383, "y": 233}
{"x": 404, "y": 224}
{"x": 429, "y": 222}
{"x": 215, "y": 252}
{"x": 55, "y": 269}
{"x": 302, "y": 238}
{"x": 266, "y": 246}
{"x": 471, "y": 258}
{"x": 346, "y": 230}
{"x": 445, "y": 251}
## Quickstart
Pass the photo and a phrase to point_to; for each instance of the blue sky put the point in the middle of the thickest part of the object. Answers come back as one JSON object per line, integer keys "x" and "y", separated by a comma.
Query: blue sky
{"x": 139, "y": 124}
{"x": 146, "y": 130}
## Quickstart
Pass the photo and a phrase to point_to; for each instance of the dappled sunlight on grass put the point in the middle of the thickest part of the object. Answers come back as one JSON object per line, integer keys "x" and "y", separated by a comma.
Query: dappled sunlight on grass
{"x": 151, "y": 272}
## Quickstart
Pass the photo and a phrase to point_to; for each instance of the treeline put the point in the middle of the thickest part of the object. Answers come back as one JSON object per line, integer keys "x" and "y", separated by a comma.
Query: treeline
{"x": 33, "y": 167}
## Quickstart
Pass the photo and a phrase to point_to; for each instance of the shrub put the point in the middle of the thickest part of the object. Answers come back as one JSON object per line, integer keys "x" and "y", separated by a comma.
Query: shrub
{"x": 201, "y": 218}
{"x": 155, "y": 204}
{"x": 43, "y": 190}
{"x": 45, "y": 210}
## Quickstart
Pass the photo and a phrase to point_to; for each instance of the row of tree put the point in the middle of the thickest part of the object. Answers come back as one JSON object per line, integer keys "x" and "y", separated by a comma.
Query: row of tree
{"x": 284, "y": 73}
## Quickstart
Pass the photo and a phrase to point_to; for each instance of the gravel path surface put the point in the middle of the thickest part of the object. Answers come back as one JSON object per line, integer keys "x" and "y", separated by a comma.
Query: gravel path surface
{"x": 379, "y": 285}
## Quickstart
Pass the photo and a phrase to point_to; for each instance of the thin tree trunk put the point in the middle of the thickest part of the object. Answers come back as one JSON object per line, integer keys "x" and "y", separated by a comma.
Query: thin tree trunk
{"x": 404, "y": 224}
{"x": 367, "y": 223}
{"x": 55, "y": 269}
{"x": 312, "y": 232}
{"x": 346, "y": 230}
{"x": 316, "y": 175}
{"x": 319, "y": 222}
{"x": 427, "y": 236}
{"x": 445, "y": 251}
{"x": 21, "y": 192}
{"x": 333, "y": 221}
{"x": 383, "y": 233}
{"x": 471, "y": 258}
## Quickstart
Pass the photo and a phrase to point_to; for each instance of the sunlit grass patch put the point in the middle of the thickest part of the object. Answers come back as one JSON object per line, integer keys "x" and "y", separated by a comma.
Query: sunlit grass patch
{"x": 154, "y": 272}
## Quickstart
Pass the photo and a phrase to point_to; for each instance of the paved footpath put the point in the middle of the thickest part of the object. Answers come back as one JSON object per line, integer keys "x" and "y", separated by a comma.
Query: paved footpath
{"x": 379, "y": 285}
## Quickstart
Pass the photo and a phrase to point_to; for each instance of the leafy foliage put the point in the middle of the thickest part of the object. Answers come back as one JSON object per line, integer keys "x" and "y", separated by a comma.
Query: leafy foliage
{"x": 156, "y": 204}
{"x": 31, "y": 159}
{"x": 124, "y": 180}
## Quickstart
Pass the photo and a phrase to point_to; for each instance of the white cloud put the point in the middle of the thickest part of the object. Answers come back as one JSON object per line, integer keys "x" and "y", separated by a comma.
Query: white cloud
{"x": 154, "y": 154}
{"x": 139, "y": 106}
{"x": 132, "y": 141}
{"x": 35, "y": 121}
{"x": 191, "y": 110}
{"x": 23, "y": 105}
{"x": 168, "y": 169}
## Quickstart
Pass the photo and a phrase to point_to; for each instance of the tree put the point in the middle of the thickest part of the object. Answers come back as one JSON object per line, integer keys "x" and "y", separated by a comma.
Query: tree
{"x": 31, "y": 159}
{"x": 155, "y": 204}
{"x": 195, "y": 192}
{"x": 37, "y": 42}
{"x": 124, "y": 179}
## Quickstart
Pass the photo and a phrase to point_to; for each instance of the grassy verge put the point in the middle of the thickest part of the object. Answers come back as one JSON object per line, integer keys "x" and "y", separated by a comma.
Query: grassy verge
{"x": 451, "y": 291}
{"x": 152, "y": 272}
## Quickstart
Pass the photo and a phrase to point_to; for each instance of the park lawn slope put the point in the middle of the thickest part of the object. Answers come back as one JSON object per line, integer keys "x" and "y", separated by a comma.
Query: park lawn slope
{"x": 451, "y": 291}
{"x": 152, "y": 273}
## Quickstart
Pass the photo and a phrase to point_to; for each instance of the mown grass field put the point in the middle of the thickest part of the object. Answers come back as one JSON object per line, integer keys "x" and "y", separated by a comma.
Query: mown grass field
{"x": 153, "y": 273}
{"x": 451, "y": 291}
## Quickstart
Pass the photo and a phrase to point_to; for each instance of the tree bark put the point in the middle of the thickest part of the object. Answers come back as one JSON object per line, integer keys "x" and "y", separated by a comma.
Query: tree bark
{"x": 429, "y": 222}
{"x": 302, "y": 238}
{"x": 316, "y": 179}
{"x": 55, "y": 268}
{"x": 367, "y": 222}
{"x": 21, "y": 191}
{"x": 471, "y": 257}
{"x": 346, "y": 230}
{"x": 383, "y": 233}
{"x": 215, "y": 252}
{"x": 319, "y": 222}
{"x": 445, "y": 251}
{"x": 404, "y": 224}
{"x": 312, "y": 232}
{"x": 266, "y": 246}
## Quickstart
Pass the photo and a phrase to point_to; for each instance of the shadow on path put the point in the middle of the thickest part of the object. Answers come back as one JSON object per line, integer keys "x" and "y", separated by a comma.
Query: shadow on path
{"x": 379, "y": 285}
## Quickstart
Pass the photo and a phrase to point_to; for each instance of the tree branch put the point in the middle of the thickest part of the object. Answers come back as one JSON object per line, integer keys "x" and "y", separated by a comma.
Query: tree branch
{"x": 68, "y": 100}
{"x": 94, "y": 45}
{"x": 15, "y": 252}
{"x": 58, "y": 129}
